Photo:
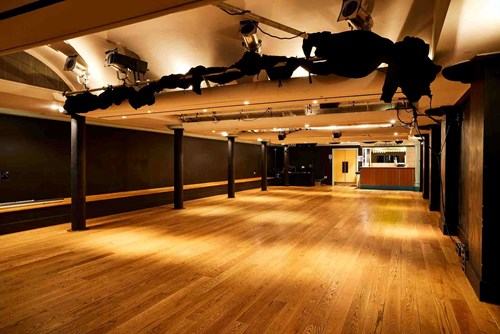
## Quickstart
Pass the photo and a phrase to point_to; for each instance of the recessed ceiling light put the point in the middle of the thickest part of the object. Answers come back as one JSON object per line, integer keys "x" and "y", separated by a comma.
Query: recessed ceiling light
{"x": 246, "y": 102}
{"x": 124, "y": 117}
{"x": 54, "y": 107}
{"x": 315, "y": 101}
{"x": 224, "y": 133}
{"x": 213, "y": 131}
{"x": 307, "y": 125}
{"x": 205, "y": 110}
{"x": 149, "y": 111}
{"x": 259, "y": 139}
{"x": 395, "y": 133}
{"x": 61, "y": 110}
{"x": 393, "y": 121}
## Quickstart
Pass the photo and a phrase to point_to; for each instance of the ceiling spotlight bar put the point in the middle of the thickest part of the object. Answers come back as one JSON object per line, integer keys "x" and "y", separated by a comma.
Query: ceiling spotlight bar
{"x": 251, "y": 16}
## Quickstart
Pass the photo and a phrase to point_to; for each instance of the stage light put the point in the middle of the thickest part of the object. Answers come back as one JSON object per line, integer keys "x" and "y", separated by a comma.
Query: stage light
{"x": 248, "y": 30}
{"x": 282, "y": 135}
{"x": 71, "y": 65}
{"x": 357, "y": 13}
{"x": 128, "y": 62}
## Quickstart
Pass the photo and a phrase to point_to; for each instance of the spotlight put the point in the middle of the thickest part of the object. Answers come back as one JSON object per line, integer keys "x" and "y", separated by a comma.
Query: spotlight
{"x": 71, "y": 65}
{"x": 357, "y": 13}
{"x": 248, "y": 30}
{"x": 281, "y": 135}
{"x": 336, "y": 134}
{"x": 126, "y": 62}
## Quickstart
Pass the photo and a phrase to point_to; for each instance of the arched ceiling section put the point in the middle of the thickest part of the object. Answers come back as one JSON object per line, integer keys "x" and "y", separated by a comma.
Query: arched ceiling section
{"x": 55, "y": 61}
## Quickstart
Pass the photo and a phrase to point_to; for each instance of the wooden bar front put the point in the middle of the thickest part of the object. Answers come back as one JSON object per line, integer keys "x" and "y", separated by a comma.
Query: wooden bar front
{"x": 397, "y": 178}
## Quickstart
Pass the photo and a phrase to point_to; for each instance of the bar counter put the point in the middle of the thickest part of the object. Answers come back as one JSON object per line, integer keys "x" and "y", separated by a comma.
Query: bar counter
{"x": 392, "y": 178}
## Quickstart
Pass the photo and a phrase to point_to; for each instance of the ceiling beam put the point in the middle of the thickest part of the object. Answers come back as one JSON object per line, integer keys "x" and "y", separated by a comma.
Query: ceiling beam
{"x": 251, "y": 16}
{"x": 74, "y": 18}
{"x": 440, "y": 11}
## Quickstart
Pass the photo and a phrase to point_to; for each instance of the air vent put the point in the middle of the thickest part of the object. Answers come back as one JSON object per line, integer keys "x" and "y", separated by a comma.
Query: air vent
{"x": 23, "y": 68}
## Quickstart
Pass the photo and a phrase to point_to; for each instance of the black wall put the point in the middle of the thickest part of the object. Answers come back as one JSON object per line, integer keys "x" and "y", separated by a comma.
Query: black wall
{"x": 36, "y": 152}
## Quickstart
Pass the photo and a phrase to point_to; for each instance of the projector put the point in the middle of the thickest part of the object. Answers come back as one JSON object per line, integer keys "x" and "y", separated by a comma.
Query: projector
{"x": 125, "y": 63}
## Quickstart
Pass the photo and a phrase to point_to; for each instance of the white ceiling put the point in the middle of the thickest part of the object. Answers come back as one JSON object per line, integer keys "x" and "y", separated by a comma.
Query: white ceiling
{"x": 205, "y": 35}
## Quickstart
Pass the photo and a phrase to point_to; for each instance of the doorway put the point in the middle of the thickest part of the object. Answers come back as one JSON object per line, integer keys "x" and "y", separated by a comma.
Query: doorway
{"x": 344, "y": 166}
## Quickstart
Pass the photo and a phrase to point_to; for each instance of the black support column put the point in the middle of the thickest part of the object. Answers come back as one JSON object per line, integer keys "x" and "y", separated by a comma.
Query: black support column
{"x": 426, "y": 157}
{"x": 435, "y": 169}
{"x": 178, "y": 168}
{"x": 78, "y": 173}
{"x": 450, "y": 171}
{"x": 231, "y": 189}
{"x": 263, "y": 165}
{"x": 286, "y": 165}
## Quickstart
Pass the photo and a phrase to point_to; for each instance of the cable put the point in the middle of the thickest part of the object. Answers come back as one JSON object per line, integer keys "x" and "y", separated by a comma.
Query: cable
{"x": 234, "y": 14}
{"x": 261, "y": 115}
{"x": 278, "y": 37}
{"x": 260, "y": 29}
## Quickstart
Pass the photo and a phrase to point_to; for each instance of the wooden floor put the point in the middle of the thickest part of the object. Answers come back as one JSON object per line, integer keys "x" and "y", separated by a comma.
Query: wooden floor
{"x": 290, "y": 260}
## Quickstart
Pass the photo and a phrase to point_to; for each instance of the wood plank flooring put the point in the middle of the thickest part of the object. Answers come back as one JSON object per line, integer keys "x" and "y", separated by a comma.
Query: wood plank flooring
{"x": 290, "y": 260}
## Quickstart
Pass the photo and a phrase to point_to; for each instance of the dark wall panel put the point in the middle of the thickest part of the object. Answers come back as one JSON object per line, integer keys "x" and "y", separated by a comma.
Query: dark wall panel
{"x": 36, "y": 153}
{"x": 122, "y": 160}
{"x": 247, "y": 160}
{"x": 204, "y": 160}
